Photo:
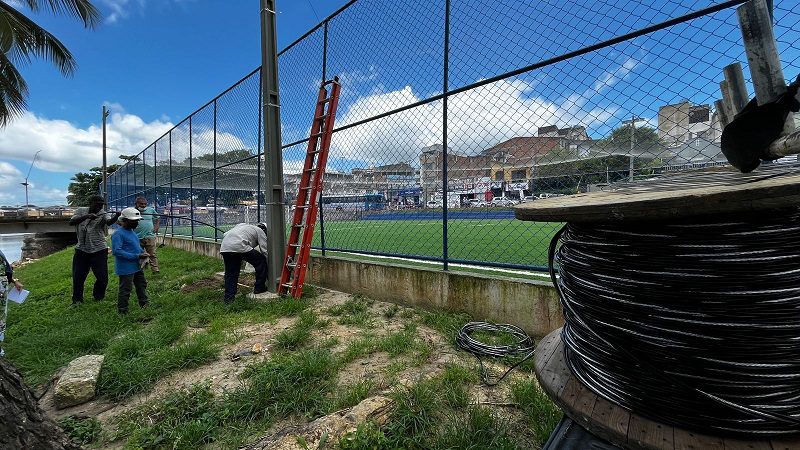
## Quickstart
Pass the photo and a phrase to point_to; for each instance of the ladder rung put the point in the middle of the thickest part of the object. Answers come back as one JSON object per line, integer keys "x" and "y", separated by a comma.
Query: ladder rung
{"x": 291, "y": 264}
{"x": 316, "y": 135}
{"x": 299, "y": 225}
{"x": 313, "y": 152}
{"x": 321, "y": 117}
{"x": 303, "y": 206}
{"x": 294, "y": 245}
{"x": 305, "y": 188}
{"x": 288, "y": 285}
{"x": 325, "y": 100}
{"x": 313, "y": 169}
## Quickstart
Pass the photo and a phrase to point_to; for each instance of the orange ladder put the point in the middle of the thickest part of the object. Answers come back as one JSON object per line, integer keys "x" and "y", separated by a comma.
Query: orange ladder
{"x": 305, "y": 212}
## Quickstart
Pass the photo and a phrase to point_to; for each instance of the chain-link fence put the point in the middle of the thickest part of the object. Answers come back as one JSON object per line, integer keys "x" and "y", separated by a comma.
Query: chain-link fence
{"x": 454, "y": 111}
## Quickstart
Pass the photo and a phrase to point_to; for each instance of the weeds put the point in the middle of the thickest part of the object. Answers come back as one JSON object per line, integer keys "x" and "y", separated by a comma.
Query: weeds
{"x": 542, "y": 415}
{"x": 82, "y": 431}
{"x": 391, "y": 311}
{"x": 299, "y": 334}
{"x": 354, "y": 311}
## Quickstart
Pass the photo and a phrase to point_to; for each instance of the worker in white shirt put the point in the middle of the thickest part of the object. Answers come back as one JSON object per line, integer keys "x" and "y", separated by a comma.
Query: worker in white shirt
{"x": 244, "y": 242}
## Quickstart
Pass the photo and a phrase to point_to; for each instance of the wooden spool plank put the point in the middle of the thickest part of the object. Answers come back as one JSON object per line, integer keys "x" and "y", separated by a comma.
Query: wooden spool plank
{"x": 689, "y": 440}
{"x": 786, "y": 443}
{"x": 646, "y": 434}
{"x": 611, "y": 417}
{"x": 673, "y": 197}
{"x": 552, "y": 372}
{"x": 736, "y": 444}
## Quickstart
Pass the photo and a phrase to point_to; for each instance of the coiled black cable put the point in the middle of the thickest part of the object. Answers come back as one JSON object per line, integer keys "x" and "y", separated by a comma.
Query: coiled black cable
{"x": 522, "y": 345}
{"x": 696, "y": 325}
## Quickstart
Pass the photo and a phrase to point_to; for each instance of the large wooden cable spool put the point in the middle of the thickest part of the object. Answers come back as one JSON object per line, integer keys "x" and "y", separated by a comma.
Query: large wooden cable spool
{"x": 678, "y": 198}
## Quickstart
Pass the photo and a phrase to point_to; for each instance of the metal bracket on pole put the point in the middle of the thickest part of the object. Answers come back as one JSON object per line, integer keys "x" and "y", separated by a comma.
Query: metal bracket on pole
{"x": 273, "y": 159}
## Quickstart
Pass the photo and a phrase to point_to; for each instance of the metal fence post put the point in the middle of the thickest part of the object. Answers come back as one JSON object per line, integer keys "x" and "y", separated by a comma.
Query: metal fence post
{"x": 272, "y": 142}
{"x": 214, "y": 173}
{"x": 445, "y": 88}
{"x": 191, "y": 182}
{"x": 259, "y": 153}
{"x": 144, "y": 172}
{"x": 135, "y": 183}
{"x": 155, "y": 175}
{"x": 171, "y": 196}
{"x": 322, "y": 193}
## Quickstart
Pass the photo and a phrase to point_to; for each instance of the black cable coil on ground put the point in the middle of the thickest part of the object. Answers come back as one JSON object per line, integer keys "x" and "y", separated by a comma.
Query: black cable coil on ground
{"x": 522, "y": 345}
{"x": 694, "y": 325}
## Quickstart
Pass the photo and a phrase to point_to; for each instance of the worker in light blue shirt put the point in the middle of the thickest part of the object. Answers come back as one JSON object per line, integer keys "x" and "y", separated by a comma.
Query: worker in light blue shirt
{"x": 128, "y": 260}
{"x": 147, "y": 231}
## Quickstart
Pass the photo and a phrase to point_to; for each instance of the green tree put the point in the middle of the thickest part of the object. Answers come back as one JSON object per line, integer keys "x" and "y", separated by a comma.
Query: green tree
{"x": 22, "y": 40}
{"x": 87, "y": 184}
{"x": 645, "y": 140}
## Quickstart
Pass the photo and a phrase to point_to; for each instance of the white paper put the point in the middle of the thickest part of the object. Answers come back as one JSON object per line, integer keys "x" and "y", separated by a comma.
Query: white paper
{"x": 17, "y": 296}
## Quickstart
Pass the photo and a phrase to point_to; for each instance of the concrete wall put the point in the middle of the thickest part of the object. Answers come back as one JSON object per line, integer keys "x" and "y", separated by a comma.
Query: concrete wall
{"x": 531, "y": 305}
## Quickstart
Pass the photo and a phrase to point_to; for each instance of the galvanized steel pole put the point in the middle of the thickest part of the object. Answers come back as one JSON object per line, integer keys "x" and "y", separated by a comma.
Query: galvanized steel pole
{"x": 105, "y": 168}
{"x": 273, "y": 159}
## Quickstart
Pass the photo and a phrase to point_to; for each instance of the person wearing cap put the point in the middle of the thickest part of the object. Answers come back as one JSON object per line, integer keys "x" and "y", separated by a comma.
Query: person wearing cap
{"x": 147, "y": 231}
{"x": 239, "y": 244}
{"x": 128, "y": 260}
{"x": 91, "y": 225}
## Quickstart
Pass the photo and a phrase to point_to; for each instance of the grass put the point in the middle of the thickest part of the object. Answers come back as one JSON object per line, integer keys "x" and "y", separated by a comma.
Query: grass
{"x": 541, "y": 414}
{"x": 435, "y": 414}
{"x": 354, "y": 311}
{"x": 45, "y": 332}
{"x": 298, "y": 382}
{"x": 299, "y": 334}
{"x": 495, "y": 240}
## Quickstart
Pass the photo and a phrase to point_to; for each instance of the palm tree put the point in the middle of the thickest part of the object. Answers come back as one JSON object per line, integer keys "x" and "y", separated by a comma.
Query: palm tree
{"x": 22, "y": 40}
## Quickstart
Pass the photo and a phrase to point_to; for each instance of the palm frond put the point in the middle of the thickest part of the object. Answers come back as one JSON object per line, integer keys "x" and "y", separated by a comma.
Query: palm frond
{"x": 30, "y": 40}
{"x": 13, "y": 91}
{"x": 81, "y": 9}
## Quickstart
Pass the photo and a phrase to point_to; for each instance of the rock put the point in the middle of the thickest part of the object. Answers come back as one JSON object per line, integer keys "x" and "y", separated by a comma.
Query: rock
{"x": 257, "y": 348}
{"x": 78, "y": 383}
{"x": 326, "y": 430}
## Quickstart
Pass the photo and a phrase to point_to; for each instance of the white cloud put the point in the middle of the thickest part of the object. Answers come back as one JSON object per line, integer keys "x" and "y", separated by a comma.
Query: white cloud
{"x": 67, "y": 148}
{"x": 477, "y": 119}
{"x": 116, "y": 10}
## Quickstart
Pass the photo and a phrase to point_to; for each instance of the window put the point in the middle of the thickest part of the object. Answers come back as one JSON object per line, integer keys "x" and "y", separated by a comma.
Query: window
{"x": 698, "y": 115}
{"x": 498, "y": 176}
{"x": 518, "y": 175}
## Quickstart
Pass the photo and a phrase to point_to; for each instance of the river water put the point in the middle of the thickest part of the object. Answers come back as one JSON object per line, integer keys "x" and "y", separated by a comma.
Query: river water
{"x": 11, "y": 245}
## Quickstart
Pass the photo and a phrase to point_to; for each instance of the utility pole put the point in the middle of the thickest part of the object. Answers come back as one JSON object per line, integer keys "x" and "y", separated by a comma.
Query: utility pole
{"x": 273, "y": 159}
{"x": 633, "y": 121}
{"x": 105, "y": 169}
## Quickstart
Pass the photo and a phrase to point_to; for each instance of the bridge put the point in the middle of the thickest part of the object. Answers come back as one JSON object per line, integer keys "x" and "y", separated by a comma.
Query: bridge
{"x": 46, "y": 224}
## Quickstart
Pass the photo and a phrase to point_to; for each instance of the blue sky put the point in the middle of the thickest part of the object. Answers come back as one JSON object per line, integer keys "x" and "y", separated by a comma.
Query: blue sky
{"x": 156, "y": 61}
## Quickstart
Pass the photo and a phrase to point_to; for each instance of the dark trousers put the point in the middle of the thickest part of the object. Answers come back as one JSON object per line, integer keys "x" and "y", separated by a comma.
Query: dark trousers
{"x": 82, "y": 263}
{"x": 233, "y": 265}
{"x": 125, "y": 284}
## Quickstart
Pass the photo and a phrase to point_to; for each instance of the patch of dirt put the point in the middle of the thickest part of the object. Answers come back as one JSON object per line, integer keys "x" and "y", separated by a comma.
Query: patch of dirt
{"x": 386, "y": 372}
{"x": 206, "y": 283}
{"x": 222, "y": 373}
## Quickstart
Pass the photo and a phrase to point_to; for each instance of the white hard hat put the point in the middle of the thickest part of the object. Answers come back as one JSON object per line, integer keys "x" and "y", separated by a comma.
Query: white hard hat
{"x": 131, "y": 214}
